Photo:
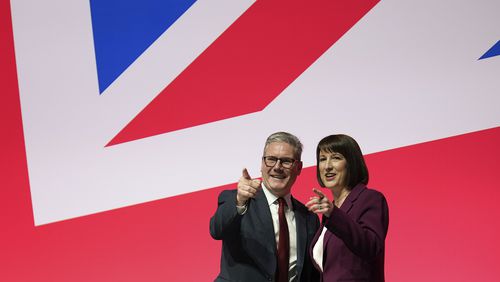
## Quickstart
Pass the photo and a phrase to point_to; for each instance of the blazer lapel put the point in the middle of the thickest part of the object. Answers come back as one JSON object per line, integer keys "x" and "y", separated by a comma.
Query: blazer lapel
{"x": 327, "y": 237}
{"x": 313, "y": 242}
{"x": 352, "y": 197}
{"x": 301, "y": 226}
{"x": 347, "y": 206}
{"x": 263, "y": 235}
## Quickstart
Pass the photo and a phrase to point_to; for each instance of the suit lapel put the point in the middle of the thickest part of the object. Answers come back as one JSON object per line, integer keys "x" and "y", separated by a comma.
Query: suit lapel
{"x": 346, "y": 206}
{"x": 326, "y": 238}
{"x": 352, "y": 197}
{"x": 264, "y": 234}
{"x": 266, "y": 219}
{"x": 313, "y": 242}
{"x": 301, "y": 229}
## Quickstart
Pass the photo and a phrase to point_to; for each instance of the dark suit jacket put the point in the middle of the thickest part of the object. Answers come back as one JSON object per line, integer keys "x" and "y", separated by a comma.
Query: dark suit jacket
{"x": 354, "y": 243}
{"x": 248, "y": 242}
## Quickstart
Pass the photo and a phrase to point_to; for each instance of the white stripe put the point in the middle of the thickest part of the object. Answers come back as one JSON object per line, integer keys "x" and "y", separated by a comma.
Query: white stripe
{"x": 406, "y": 73}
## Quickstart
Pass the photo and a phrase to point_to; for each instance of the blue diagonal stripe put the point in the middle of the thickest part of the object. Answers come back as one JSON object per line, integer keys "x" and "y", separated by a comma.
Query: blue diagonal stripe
{"x": 493, "y": 51}
{"x": 124, "y": 29}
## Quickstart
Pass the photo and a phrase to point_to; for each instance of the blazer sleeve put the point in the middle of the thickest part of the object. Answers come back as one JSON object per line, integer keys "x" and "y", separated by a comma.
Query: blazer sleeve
{"x": 226, "y": 220}
{"x": 364, "y": 229}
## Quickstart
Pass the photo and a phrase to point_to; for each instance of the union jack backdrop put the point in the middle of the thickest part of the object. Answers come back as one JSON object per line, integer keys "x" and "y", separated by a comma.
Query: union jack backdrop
{"x": 123, "y": 120}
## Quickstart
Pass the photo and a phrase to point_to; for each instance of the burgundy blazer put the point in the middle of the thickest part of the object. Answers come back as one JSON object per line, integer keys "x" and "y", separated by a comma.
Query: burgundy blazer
{"x": 354, "y": 243}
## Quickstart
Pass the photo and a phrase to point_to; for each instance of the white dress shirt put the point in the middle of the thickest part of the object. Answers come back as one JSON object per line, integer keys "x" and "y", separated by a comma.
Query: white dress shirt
{"x": 272, "y": 201}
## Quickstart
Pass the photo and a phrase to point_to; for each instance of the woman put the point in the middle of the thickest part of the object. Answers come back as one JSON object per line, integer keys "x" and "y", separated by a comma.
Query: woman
{"x": 350, "y": 245}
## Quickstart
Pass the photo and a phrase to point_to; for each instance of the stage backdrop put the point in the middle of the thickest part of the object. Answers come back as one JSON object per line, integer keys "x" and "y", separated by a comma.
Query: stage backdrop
{"x": 122, "y": 121}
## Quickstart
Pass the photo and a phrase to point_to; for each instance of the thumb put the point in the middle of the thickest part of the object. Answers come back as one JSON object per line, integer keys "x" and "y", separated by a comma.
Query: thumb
{"x": 245, "y": 174}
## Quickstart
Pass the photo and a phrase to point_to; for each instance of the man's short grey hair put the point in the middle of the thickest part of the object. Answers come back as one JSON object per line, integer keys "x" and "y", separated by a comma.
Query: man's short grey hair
{"x": 287, "y": 138}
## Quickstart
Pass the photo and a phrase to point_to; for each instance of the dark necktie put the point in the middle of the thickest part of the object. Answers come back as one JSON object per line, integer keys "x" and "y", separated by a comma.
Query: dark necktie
{"x": 283, "y": 244}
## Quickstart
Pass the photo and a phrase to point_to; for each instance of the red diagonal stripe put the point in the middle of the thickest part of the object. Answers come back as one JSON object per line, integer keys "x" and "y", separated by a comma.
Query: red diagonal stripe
{"x": 249, "y": 65}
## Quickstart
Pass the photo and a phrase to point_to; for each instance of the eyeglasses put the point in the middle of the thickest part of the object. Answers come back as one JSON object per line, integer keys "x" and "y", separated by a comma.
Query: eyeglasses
{"x": 271, "y": 161}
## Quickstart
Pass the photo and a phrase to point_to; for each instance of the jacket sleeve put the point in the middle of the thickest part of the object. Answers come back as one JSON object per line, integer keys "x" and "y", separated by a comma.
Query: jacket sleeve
{"x": 226, "y": 220}
{"x": 365, "y": 230}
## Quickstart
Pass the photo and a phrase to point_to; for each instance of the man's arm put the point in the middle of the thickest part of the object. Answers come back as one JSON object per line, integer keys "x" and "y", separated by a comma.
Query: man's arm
{"x": 232, "y": 206}
{"x": 226, "y": 219}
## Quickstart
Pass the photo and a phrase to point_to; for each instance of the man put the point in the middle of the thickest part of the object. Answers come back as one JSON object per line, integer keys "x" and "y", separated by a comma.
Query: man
{"x": 265, "y": 232}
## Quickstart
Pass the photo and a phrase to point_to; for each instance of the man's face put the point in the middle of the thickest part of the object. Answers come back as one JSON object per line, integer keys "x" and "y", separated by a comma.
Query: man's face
{"x": 277, "y": 178}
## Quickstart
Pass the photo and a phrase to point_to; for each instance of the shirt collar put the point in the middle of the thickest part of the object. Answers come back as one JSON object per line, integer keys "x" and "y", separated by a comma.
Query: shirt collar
{"x": 271, "y": 198}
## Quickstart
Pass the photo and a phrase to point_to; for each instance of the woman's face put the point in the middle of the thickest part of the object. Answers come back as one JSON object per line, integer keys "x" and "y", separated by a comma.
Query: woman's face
{"x": 332, "y": 169}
